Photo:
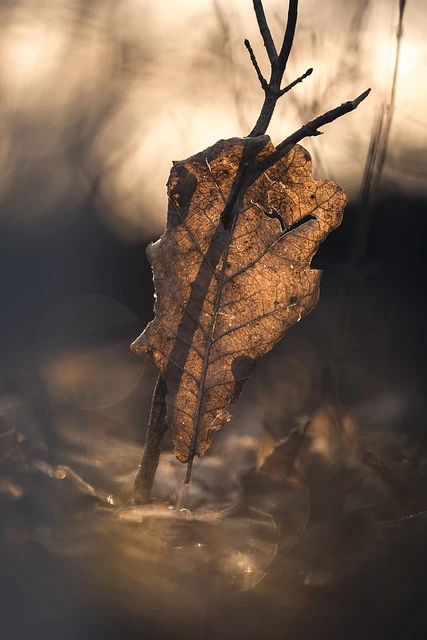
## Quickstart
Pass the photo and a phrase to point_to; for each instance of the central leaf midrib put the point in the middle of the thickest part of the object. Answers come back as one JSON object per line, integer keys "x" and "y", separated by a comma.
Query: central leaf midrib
{"x": 205, "y": 365}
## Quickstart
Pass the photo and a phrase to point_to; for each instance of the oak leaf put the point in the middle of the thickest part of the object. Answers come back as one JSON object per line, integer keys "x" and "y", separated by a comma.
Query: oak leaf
{"x": 232, "y": 274}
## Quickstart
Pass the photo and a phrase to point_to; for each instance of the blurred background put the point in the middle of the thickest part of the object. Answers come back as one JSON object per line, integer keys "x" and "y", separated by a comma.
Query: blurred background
{"x": 98, "y": 98}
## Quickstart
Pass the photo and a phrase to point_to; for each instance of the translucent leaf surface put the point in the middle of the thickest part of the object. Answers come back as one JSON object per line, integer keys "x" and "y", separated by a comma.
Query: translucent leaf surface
{"x": 232, "y": 274}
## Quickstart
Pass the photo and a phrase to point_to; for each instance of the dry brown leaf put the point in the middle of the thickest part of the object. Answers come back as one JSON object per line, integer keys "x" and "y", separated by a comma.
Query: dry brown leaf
{"x": 232, "y": 274}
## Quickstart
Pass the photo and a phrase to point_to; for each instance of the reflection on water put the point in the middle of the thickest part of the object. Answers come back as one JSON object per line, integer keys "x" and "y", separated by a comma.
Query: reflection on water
{"x": 158, "y": 549}
{"x": 179, "y": 569}
{"x": 304, "y": 503}
{"x": 231, "y": 548}
{"x": 139, "y": 553}
{"x": 250, "y": 548}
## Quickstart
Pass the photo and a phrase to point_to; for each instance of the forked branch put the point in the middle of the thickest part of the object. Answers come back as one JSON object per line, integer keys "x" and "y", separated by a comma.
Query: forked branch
{"x": 278, "y": 63}
{"x": 272, "y": 88}
{"x": 192, "y": 438}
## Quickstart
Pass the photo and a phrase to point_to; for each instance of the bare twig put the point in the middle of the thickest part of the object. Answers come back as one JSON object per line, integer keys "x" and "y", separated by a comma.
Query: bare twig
{"x": 157, "y": 423}
{"x": 278, "y": 64}
{"x": 312, "y": 127}
{"x": 297, "y": 81}
{"x": 261, "y": 78}
{"x": 265, "y": 31}
{"x": 272, "y": 89}
{"x": 288, "y": 39}
{"x": 376, "y": 155}
{"x": 307, "y": 130}
{"x": 155, "y": 431}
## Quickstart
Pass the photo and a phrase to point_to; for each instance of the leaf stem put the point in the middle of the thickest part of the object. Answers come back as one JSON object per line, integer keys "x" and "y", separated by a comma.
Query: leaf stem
{"x": 155, "y": 431}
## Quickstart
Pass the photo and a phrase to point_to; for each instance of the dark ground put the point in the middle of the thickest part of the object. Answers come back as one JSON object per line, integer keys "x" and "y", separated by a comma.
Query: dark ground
{"x": 43, "y": 596}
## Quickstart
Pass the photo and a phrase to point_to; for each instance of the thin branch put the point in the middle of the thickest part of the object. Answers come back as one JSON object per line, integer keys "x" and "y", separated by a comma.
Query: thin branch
{"x": 278, "y": 64}
{"x": 289, "y": 34}
{"x": 261, "y": 78}
{"x": 265, "y": 31}
{"x": 309, "y": 129}
{"x": 298, "y": 80}
{"x": 157, "y": 422}
{"x": 155, "y": 431}
{"x": 312, "y": 127}
{"x": 376, "y": 155}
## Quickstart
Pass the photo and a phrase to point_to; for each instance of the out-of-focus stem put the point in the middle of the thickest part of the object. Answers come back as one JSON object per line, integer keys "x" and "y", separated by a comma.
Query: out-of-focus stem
{"x": 153, "y": 444}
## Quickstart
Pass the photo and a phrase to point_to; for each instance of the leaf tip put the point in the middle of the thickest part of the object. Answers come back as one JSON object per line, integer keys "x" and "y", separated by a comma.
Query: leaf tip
{"x": 137, "y": 347}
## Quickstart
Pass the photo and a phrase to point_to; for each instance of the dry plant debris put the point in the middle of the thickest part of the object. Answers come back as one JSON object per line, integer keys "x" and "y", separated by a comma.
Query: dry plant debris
{"x": 232, "y": 270}
{"x": 232, "y": 274}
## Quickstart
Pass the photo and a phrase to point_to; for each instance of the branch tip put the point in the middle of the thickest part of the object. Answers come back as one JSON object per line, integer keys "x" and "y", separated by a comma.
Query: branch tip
{"x": 292, "y": 84}
{"x": 360, "y": 98}
{"x": 262, "y": 80}
{"x": 311, "y": 128}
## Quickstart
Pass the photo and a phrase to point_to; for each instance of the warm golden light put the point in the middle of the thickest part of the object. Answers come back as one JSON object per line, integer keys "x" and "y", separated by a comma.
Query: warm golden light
{"x": 148, "y": 88}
